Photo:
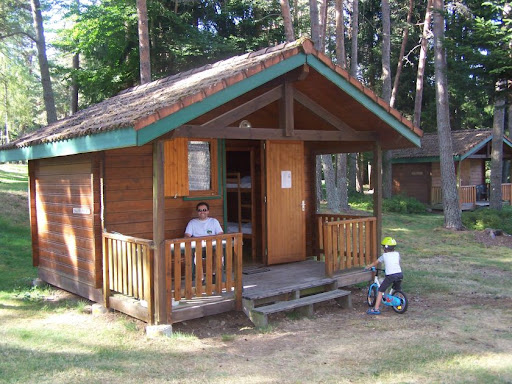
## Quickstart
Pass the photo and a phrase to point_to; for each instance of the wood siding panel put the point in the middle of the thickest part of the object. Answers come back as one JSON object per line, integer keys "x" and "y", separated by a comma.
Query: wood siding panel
{"x": 65, "y": 209}
{"x": 412, "y": 180}
{"x": 128, "y": 187}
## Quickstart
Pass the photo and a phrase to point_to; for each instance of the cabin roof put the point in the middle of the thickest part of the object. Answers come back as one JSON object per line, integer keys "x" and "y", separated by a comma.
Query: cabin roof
{"x": 134, "y": 116}
{"x": 465, "y": 143}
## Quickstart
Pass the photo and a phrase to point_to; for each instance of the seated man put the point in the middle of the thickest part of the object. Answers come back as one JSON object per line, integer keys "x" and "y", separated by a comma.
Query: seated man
{"x": 203, "y": 225}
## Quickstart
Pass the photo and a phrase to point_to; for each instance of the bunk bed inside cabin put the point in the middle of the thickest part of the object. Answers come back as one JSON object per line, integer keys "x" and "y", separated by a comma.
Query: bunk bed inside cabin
{"x": 241, "y": 197}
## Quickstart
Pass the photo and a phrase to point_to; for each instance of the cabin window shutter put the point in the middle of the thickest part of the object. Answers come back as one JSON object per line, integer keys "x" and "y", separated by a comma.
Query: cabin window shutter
{"x": 190, "y": 167}
{"x": 176, "y": 167}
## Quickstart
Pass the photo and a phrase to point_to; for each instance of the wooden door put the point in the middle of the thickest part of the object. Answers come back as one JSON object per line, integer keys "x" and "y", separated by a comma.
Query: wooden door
{"x": 285, "y": 213}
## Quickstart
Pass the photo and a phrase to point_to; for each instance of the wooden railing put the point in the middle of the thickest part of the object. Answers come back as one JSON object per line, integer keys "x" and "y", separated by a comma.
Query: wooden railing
{"x": 347, "y": 241}
{"x": 128, "y": 269}
{"x": 220, "y": 269}
{"x": 467, "y": 195}
{"x": 506, "y": 192}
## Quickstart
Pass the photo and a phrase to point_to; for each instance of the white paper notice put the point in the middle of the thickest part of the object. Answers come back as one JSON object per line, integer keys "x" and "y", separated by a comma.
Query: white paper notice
{"x": 286, "y": 179}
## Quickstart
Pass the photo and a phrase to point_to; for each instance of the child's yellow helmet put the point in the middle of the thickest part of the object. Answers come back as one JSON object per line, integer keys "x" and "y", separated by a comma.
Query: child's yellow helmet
{"x": 388, "y": 242}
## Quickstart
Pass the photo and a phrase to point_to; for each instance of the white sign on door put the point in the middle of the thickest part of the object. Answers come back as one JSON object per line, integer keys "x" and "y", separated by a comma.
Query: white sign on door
{"x": 286, "y": 179}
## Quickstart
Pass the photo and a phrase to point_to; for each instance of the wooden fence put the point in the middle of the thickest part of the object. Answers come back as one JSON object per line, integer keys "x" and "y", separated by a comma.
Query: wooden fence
{"x": 219, "y": 271}
{"x": 506, "y": 192}
{"x": 128, "y": 269}
{"x": 467, "y": 195}
{"x": 347, "y": 241}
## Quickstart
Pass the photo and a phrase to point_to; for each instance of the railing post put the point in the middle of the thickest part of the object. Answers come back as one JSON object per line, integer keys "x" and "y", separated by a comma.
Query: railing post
{"x": 149, "y": 295}
{"x": 328, "y": 250}
{"x": 238, "y": 272}
{"x": 106, "y": 272}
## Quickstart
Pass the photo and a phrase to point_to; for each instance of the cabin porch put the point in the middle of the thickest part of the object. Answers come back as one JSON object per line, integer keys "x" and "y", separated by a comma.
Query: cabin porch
{"x": 471, "y": 196}
{"x": 220, "y": 283}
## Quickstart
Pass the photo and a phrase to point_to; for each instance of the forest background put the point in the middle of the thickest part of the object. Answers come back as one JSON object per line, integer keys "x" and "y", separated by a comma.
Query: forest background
{"x": 100, "y": 47}
{"x": 93, "y": 46}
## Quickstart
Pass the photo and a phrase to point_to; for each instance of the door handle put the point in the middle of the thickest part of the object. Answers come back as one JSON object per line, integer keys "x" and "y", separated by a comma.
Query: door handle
{"x": 303, "y": 205}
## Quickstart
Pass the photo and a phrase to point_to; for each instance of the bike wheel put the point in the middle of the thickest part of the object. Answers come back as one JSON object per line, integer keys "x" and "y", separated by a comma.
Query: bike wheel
{"x": 404, "y": 303}
{"x": 371, "y": 298}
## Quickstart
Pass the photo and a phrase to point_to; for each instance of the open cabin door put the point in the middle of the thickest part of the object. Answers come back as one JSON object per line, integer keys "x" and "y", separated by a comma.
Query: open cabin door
{"x": 285, "y": 213}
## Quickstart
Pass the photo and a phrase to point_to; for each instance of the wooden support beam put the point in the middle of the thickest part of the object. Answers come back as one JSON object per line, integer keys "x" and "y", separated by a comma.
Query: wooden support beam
{"x": 197, "y": 131}
{"x": 159, "y": 274}
{"x": 286, "y": 121}
{"x": 245, "y": 109}
{"x": 377, "y": 188}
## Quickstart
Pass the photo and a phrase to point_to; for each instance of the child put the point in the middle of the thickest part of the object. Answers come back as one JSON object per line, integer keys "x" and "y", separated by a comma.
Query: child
{"x": 391, "y": 260}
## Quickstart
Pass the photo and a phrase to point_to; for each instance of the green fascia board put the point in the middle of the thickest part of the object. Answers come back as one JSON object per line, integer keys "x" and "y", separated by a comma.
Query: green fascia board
{"x": 356, "y": 94}
{"x": 120, "y": 138}
{"x": 183, "y": 116}
{"x": 407, "y": 160}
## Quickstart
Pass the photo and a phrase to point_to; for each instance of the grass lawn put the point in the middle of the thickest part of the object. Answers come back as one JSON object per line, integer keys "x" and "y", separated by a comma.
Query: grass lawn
{"x": 458, "y": 328}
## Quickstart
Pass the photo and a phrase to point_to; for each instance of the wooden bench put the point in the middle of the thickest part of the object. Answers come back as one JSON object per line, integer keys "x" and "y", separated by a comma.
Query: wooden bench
{"x": 259, "y": 315}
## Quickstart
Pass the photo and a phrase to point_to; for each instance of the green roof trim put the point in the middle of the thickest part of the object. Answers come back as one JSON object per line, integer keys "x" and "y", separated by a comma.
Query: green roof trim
{"x": 120, "y": 138}
{"x": 356, "y": 94}
{"x": 407, "y": 160}
{"x": 189, "y": 113}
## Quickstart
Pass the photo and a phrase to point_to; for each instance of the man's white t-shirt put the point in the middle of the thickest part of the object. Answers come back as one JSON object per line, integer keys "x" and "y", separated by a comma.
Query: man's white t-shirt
{"x": 392, "y": 262}
{"x": 208, "y": 227}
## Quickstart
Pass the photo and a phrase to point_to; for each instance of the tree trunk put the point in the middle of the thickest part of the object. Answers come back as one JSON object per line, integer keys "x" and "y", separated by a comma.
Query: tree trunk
{"x": 400, "y": 65}
{"x": 73, "y": 89}
{"x": 287, "y": 20}
{"x": 352, "y": 171}
{"x": 333, "y": 198}
{"x": 315, "y": 27}
{"x": 145, "y": 61}
{"x": 452, "y": 213}
{"x": 341, "y": 55}
{"x": 46, "y": 82}
{"x": 5, "y": 138}
{"x": 498, "y": 127}
{"x": 341, "y": 179}
{"x": 421, "y": 65}
{"x": 386, "y": 92}
{"x": 318, "y": 176}
{"x": 354, "y": 24}
{"x": 341, "y": 159}
{"x": 355, "y": 32}
{"x": 322, "y": 24}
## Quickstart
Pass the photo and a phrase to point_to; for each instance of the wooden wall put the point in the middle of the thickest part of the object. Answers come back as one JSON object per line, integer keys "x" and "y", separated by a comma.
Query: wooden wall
{"x": 66, "y": 222}
{"x": 412, "y": 180}
{"x": 128, "y": 191}
{"x": 128, "y": 197}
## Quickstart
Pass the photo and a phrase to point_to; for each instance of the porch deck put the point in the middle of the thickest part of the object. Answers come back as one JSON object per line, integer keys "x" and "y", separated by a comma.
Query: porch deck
{"x": 262, "y": 284}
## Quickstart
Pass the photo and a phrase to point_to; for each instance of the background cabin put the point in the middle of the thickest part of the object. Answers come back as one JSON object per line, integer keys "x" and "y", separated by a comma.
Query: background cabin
{"x": 416, "y": 171}
{"x": 113, "y": 187}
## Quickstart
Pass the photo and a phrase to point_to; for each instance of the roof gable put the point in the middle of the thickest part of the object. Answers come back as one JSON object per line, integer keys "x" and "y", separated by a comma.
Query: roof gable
{"x": 465, "y": 143}
{"x": 143, "y": 113}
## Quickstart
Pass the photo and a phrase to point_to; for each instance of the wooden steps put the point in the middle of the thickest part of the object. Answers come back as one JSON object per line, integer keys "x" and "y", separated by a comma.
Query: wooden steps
{"x": 259, "y": 315}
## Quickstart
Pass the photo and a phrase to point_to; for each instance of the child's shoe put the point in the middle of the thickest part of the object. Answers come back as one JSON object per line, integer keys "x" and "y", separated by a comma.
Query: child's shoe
{"x": 373, "y": 311}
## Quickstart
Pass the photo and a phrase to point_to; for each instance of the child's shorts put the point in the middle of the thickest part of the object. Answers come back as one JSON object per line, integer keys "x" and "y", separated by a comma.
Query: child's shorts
{"x": 395, "y": 279}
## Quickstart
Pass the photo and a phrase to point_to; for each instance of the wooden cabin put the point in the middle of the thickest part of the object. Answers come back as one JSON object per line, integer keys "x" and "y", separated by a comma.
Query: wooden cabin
{"x": 113, "y": 187}
{"x": 416, "y": 171}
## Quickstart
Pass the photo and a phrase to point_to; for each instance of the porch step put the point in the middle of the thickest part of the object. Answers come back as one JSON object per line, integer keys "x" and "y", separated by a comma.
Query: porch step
{"x": 259, "y": 315}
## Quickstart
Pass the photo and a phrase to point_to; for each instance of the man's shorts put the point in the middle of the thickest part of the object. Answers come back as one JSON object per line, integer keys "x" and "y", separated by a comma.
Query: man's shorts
{"x": 395, "y": 279}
